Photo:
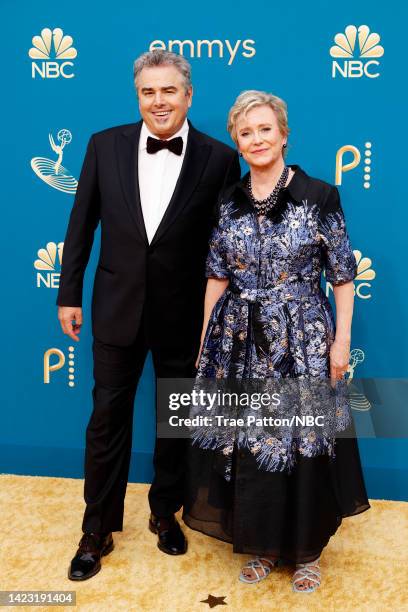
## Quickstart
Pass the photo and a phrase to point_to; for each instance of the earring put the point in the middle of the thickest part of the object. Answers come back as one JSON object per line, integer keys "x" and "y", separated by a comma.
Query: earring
{"x": 239, "y": 153}
{"x": 285, "y": 145}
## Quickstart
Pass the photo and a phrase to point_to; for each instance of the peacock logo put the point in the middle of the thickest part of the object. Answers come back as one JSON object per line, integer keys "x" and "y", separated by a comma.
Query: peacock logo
{"x": 345, "y": 163}
{"x": 362, "y": 281}
{"x": 59, "y": 362}
{"x": 356, "y": 42}
{"x": 48, "y": 265}
{"x": 367, "y": 42}
{"x": 365, "y": 274}
{"x": 48, "y": 47}
{"x": 364, "y": 269}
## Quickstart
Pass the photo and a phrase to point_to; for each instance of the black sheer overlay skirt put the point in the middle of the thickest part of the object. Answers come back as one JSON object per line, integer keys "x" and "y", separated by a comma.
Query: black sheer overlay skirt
{"x": 286, "y": 516}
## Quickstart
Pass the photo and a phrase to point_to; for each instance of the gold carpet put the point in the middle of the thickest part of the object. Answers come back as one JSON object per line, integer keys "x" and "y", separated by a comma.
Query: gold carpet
{"x": 364, "y": 567}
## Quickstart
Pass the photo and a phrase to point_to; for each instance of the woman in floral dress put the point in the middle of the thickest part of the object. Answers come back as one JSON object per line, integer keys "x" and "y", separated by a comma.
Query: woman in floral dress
{"x": 267, "y": 318}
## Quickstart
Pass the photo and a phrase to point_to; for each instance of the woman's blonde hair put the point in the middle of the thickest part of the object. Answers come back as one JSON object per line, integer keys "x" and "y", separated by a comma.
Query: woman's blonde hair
{"x": 247, "y": 100}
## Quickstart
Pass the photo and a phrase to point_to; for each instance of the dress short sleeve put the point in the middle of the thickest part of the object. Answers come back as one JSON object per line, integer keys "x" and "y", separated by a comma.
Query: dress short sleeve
{"x": 338, "y": 256}
{"x": 216, "y": 263}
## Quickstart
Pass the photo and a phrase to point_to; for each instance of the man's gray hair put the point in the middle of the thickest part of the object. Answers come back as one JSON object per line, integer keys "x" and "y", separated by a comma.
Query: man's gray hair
{"x": 160, "y": 57}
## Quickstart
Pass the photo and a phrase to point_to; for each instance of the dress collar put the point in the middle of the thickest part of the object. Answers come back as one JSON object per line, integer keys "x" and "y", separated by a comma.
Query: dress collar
{"x": 294, "y": 192}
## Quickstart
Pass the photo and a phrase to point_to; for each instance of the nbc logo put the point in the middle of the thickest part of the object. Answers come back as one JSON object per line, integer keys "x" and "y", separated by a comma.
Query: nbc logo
{"x": 52, "y": 50}
{"x": 47, "y": 263}
{"x": 345, "y": 50}
{"x": 365, "y": 273}
{"x": 59, "y": 364}
{"x": 53, "y": 172}
{"x": 342, "y": 166}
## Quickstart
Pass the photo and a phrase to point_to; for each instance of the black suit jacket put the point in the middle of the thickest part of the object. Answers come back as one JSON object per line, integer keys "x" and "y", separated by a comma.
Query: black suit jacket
{"x": 166, "y": 278}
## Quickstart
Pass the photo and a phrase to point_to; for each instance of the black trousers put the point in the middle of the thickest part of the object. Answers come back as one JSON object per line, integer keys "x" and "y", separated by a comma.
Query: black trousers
{"x": 117, "y": 371}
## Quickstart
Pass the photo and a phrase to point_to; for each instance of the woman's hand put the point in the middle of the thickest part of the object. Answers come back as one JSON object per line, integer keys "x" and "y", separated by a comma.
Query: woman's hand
{"x": 340, "y": 349}
{"x": 339, "y": 360}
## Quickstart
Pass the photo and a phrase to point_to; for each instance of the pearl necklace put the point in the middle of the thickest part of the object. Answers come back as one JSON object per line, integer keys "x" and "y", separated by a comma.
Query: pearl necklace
{"x": 265, "y": 205}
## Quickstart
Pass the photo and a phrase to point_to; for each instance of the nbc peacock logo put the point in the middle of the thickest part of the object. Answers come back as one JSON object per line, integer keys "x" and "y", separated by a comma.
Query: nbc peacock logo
{"x": 365, "y": 274}
{"x": 52, "y": 171}
{"x": 48, "y": 265}
{"x": 356, "y": 42}
{"x": 362, "y": 282}
{"x": 52, "y": 52}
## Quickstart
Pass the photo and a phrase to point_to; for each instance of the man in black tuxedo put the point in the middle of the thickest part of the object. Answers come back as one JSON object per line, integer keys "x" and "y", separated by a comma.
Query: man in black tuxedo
{"x": 153, "y": 186}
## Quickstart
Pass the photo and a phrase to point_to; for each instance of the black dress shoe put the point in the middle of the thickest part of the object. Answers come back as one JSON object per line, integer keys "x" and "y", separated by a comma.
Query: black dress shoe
{"x": 87, "y": 561}
{"x": 171, "y": 539}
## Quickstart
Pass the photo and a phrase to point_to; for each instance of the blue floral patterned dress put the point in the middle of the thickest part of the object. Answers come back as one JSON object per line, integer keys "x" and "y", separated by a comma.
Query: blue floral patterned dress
{"x": 273, "y": 321}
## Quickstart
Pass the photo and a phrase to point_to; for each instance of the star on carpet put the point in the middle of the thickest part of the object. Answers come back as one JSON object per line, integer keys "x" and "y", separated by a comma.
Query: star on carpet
{"x": 214, "y": 601}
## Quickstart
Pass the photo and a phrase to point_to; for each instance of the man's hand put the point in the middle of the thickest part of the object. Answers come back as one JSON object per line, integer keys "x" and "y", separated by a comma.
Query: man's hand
{"x": 70, "y": 318}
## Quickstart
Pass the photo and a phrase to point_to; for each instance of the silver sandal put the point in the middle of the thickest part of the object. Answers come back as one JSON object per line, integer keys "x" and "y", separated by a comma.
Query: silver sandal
{"x": 255, "y": 564}
{"x": 303, "y": 572}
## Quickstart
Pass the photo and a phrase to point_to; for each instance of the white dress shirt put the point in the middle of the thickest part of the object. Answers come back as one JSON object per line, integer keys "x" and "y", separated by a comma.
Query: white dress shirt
{"x": 158, "y": 174}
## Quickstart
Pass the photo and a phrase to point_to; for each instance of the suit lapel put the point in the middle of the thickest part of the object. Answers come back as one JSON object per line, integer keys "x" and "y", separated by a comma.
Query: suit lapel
{"x": 194, "y": 162}
{"x": 127, "y": 147}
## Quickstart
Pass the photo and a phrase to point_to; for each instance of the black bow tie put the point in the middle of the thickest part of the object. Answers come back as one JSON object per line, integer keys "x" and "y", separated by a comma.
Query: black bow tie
{"x": 175, "y": 145}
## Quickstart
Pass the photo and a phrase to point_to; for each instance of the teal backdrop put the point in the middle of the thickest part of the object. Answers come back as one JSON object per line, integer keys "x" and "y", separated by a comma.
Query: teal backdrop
{"x": 340, "y": 107}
